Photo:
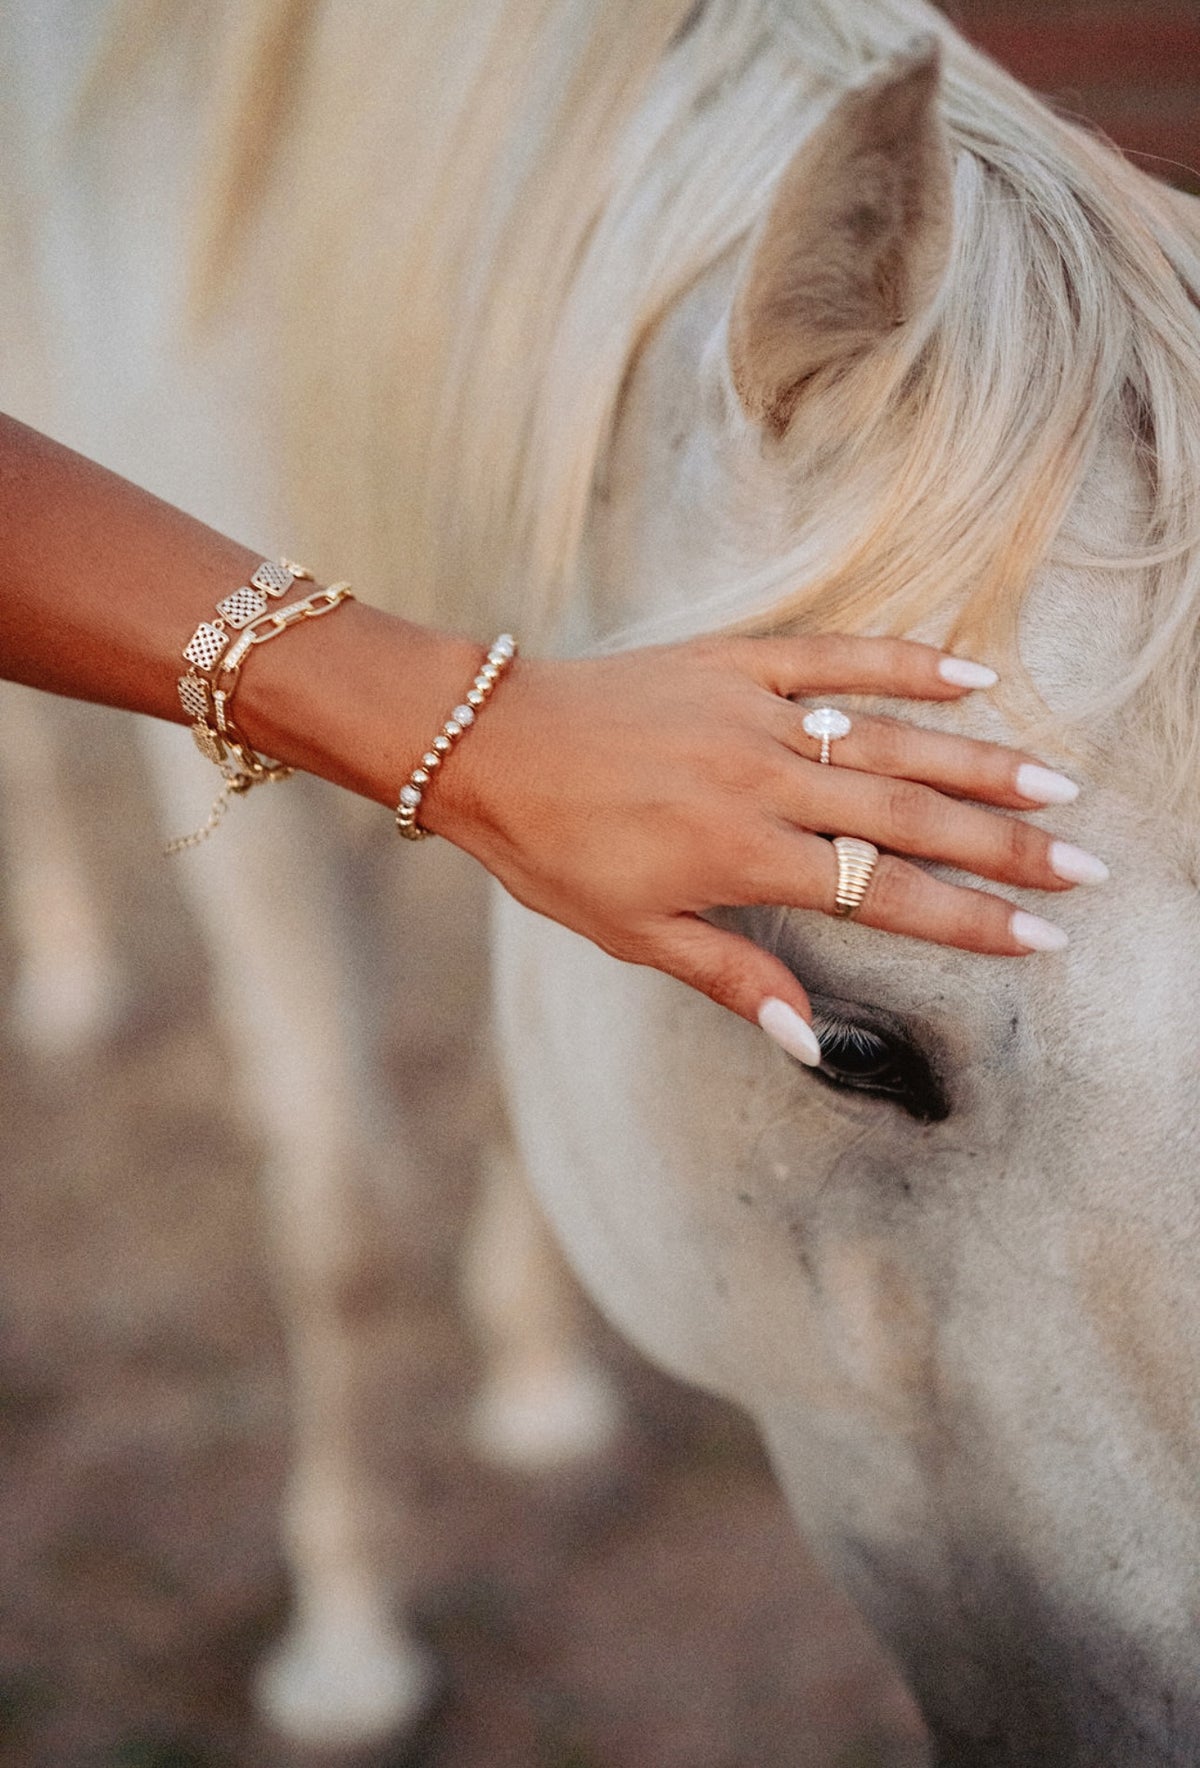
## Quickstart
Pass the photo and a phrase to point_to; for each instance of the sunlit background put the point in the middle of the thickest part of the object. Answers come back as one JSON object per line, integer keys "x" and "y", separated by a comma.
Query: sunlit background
{"x": 654, "y": 1612}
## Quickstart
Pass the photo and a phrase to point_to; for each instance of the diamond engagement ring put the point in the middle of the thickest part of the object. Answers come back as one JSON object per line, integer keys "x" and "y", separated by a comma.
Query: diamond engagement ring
{"x": 828, "y": 724}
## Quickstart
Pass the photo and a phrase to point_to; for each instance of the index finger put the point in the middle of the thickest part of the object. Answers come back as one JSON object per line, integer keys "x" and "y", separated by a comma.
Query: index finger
{"x": 840, "y": 663}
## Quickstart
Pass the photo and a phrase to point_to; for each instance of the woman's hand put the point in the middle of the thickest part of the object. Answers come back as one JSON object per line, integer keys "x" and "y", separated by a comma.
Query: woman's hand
{"x": 624, "y": 796}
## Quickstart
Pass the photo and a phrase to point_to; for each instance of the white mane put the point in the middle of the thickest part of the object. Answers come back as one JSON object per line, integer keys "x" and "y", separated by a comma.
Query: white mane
{"x": 486, "y": 211}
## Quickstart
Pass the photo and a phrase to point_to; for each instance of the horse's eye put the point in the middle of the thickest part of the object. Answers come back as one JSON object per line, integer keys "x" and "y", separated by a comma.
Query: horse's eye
{"x": 872, "y": 1059}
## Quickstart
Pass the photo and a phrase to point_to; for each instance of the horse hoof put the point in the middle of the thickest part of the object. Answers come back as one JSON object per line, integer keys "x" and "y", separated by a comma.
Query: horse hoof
{"x": 532, "y": 1420}
{"x": 335, "y": 1690}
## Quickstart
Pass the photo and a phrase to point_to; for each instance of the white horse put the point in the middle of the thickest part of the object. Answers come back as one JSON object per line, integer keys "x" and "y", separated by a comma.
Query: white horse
{"x": 648, "y": 318}
{"x": 947, "y": 377}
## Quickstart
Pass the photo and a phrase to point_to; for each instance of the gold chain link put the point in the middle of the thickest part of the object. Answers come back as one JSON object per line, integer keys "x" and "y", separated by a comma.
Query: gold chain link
{"x": 256, "y": 770}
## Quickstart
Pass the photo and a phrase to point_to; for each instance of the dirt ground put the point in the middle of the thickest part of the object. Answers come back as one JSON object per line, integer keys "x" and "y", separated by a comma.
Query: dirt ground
{"x": 656, "y": 1611}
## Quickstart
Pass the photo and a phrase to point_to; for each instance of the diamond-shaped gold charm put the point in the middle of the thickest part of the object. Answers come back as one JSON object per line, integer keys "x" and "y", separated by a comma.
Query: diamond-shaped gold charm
{"x": 193, "y": 695}
{"x": 208, "y": 743}
{"x": 275, "y": 579}
{"x": 242, "y": 606}
{"x": 205, "y": 645}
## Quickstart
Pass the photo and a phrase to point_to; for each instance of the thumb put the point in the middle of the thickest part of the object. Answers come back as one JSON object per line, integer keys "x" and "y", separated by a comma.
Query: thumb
{"x": 740, "y": 975}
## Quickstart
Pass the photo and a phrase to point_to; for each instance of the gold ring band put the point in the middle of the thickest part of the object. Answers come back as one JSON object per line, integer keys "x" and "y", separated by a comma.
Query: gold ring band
{"x": 856, "y": 861}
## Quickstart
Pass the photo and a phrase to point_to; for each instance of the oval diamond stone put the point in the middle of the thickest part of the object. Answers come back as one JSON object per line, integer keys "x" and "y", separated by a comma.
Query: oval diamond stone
{"x": 826, "y": 721}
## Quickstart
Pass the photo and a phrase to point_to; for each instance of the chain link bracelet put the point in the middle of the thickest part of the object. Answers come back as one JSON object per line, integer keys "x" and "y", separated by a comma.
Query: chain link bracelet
{"x": 216, "y": 659}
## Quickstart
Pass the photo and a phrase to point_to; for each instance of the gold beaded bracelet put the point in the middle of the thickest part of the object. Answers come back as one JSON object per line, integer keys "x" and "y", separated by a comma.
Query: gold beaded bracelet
{"x": 215, "y": 660}
{"x": 500, "y": 655}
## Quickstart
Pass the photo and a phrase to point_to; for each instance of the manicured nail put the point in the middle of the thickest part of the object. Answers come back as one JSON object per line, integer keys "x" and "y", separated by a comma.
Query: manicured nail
{"x": 1075, "y": 865}
{"x": 964, "y": 674}
{"x": 1041, "y": 786}
{"x": 785, "y": 1025}
{"x": 1035, "y": 934}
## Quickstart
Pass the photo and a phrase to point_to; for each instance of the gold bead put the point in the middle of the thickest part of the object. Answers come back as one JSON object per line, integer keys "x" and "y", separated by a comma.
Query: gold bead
{"x": 441, "y": 744}
{"x": 475, "y": 697}
{"x": 431, "y": 760}
{"x": 452, "y": 728}
{"x": 419, "y": 777}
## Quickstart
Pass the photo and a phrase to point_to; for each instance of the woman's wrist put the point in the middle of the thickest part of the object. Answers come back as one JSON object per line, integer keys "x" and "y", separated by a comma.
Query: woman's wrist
{"x": 356, "y": 698}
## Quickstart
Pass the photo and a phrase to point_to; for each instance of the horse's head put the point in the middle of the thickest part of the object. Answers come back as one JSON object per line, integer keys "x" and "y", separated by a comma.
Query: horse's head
{"x": 956, "y": 1274}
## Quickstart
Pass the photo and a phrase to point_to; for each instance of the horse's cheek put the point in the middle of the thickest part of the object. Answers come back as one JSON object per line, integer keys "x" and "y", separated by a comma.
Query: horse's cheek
{"x": 1140, "y": 1314}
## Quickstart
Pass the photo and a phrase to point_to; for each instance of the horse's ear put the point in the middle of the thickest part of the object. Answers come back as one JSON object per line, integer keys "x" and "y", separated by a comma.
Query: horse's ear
{"x": 855, "y": 242}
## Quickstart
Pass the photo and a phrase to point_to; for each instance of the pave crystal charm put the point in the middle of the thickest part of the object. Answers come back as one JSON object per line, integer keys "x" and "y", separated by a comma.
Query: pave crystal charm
{"x": 464, "y": 714}
{"x": 193, "y": 696}
{"x": 208, "y": 743}
{"x": 410, "y": 796}
{"x": 827, "y": 724}
{"x": 243, "y": 606}
{"x": 275, "y": 579}
{"x": 205, "y": 645}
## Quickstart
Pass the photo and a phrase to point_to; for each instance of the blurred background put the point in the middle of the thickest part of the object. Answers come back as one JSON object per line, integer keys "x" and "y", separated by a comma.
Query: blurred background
{"x": 656, "y": 1611}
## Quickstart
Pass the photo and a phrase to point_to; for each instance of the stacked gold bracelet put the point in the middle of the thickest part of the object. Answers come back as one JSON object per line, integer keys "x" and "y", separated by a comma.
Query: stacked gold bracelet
{"x": 500, "y": 655}
{"x": 215, "y": 661}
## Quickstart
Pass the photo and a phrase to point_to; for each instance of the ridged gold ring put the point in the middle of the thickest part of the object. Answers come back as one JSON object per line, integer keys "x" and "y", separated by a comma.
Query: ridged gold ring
{"x": 856, "y": 861}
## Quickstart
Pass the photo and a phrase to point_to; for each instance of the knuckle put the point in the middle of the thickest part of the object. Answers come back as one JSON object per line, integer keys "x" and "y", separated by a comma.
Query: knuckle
{"x": 721, "y": 979}
{"x": 1022, "y": 847}
{"x": 746, "y": 764}
{"x": 981, "y": 920}
{"x": 895, "y": 657}
{"x": 909, "y": 809}
{"x": 757, "y": 863}
{"x": 633, "y": 945}
{"x": 890, "y": 744}
{"x": 829, "y": 650}
{"x": 889, "y": 898}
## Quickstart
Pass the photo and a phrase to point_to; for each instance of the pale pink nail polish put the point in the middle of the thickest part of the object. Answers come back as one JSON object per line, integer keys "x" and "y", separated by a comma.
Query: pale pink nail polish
{"x": 964, "y": 674}
{"x": 790, "y": 1031}
{"x": 1035, "y": 934}
{"x": 1076, "y": 865}
{"x": 1041, "y": 785}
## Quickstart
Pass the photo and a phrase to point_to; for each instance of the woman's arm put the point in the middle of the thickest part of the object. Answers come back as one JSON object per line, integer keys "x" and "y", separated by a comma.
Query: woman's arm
{"x": 623, "y": 796}
{"x": 103, "y": 585}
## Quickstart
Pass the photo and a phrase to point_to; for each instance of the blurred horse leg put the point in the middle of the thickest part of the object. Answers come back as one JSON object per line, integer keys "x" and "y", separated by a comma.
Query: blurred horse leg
{"x": 544, "y": 1401}
{"x": 266, "y": 894}
{"x": 67, "y": 987}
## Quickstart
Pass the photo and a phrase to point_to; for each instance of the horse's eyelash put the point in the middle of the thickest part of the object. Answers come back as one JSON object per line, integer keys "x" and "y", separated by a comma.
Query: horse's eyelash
{"x": 847, "y": 1034}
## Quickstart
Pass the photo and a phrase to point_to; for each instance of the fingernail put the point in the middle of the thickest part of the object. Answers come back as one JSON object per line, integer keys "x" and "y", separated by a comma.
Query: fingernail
{"x": 964, "y": 674}
{"x": 1035, "y": 934}
{"x": 794, "y": 1034}
{"x": 1075, "y": 865}
{"x": 1041, "y": 786}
